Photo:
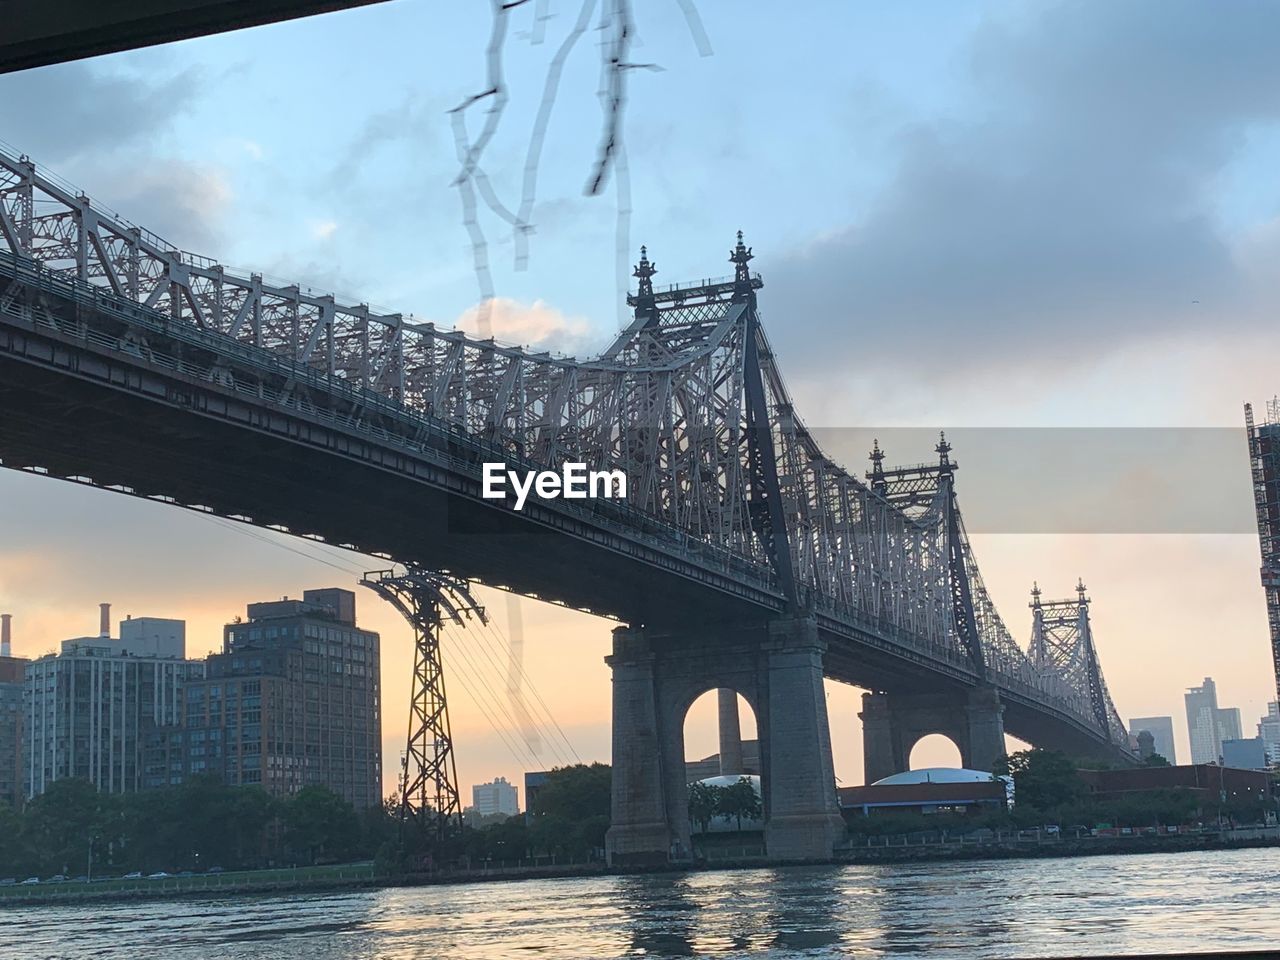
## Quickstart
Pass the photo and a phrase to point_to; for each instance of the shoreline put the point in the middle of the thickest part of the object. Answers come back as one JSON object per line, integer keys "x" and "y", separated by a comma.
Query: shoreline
{"x": 72, "y": 893}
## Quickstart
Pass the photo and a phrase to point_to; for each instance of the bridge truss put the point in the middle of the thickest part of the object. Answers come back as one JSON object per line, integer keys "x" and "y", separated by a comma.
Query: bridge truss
{"x": 688, "y": 401}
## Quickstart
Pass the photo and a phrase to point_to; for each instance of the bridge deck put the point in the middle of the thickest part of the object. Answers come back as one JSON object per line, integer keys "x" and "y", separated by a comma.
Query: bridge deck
{"x": 79, "y": 403}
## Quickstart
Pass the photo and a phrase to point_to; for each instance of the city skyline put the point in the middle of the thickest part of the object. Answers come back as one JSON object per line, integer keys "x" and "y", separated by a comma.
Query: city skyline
{"x": 702, "y": 718}
{"x": 1147, "y": 355}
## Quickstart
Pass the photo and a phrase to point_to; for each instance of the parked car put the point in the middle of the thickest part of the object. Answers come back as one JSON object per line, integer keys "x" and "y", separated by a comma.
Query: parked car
{"x": 8, "y": 881}
{"x": 135, "y": 875}
{"x": 214, "y": 870}
{"x": 57, "y": 878}
{"x": 185, "y": 873}
{"x": 30, "y": 880}
{"x": 1051, "y": 830}
{"x": 159, "y": 875}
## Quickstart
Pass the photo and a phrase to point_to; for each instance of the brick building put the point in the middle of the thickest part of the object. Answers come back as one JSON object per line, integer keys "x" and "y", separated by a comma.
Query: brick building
{"x": 292, "y": 701}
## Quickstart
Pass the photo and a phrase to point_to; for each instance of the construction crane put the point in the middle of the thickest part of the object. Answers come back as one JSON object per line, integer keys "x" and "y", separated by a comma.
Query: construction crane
{"x": 1264, "y": 460}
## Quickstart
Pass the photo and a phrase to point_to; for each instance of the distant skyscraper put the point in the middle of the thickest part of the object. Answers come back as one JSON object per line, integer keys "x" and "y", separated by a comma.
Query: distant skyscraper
{"x": 1269, "y": 732}
{"x": 496, "y": 797}
{"x": 1208, "y": 724}
{"x": 1161, "y": 730}
{"x": 1229, "y": 727}
{"x": 102, "y": 708}
{"x": 1202, "y": 722}
{"x": 292, "y": 701}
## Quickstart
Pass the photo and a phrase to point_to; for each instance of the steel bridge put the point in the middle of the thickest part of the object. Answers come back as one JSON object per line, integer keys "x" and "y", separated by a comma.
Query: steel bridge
{"x": 136, "y": 367}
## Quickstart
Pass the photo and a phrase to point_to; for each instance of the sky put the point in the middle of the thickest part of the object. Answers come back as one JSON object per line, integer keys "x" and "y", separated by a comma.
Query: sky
{"x": 1049, "y": 229}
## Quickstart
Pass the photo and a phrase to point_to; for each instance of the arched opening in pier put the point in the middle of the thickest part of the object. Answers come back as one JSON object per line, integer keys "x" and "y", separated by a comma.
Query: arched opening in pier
{"x": 702, "y": 732}
{"x": 721, "y": 747}
{"x": 934, "y": 750}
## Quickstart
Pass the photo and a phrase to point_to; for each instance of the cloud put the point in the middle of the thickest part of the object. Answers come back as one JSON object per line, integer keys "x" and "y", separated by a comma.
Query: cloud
{"x": 184, "y": 203}
{"x": 536, "y": 325}
{"x": 59, "y": 113}
{"x": 413, "y": 127}
{"x": 1069, "y": 210}
{"x": 323, "y": 229}
{"x": 103, "y": 131}
{"x": 252, "y": 149}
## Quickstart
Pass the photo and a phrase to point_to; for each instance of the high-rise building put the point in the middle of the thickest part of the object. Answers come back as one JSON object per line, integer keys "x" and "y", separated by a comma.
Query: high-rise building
{"x": 496, "y": 797}
{"x": 1269, "y": 732}
{"x": 1208, "y": 724}
{"x": 1202, "y": 722}
{"x": 12, "y": 673}
{"x": 1161, "y": 730}
{"x": 1229, "y": 726}
{"x": 293, "y": 700}
{"x": 99, "y": 707}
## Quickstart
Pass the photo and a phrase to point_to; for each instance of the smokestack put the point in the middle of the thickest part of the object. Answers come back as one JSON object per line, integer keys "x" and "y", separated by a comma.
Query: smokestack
{"x": 104, "y": 627}
{"x": 6, "y": 650}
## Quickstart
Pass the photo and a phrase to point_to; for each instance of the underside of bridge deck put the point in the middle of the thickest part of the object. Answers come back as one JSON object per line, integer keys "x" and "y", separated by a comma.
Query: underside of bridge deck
{"x": 41, "y": 32}
{"x": 72, "y": 427}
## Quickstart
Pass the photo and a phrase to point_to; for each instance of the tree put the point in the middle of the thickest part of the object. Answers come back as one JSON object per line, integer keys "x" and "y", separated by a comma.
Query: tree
{"x": 506, "y": 839}
{"x": 319, "y": 824}
{"x": 704, "y": 802}
{"x": 59, "y": 825}
{"x": 1155, "y": 760}
{"x": 1042, "y": 779}
{"x": 570, "y": 812}
{"x": 12, "y": 852}
{"x": 576, "y": 792}
{"x": 741, "y": 801}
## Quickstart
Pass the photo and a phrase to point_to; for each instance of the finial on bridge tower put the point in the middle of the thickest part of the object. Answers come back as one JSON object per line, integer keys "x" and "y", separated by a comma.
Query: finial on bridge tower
{"x": 644, "y": 271}
{"x": 878, "y": 483}
{"x": 943, "y": 449}
{"x": 1035, "y": 595}
{"x": 644, "y": 302}
{"x": 1080, "y": 590}
{"x": 740, "y": 256}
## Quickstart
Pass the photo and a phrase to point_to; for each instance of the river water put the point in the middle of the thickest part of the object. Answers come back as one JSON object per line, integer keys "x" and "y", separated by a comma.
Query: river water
{"x": 1009, "y": 908}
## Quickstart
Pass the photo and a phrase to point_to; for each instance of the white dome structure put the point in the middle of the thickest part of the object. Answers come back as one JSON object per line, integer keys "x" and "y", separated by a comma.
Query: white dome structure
{"x": 936, "y": 775}
{"x": 729, "y": 781}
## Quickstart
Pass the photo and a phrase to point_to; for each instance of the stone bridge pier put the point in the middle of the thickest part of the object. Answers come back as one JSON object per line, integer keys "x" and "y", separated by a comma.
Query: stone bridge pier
{"x": 892, "y": 723}
{"x": 657, "y": 675}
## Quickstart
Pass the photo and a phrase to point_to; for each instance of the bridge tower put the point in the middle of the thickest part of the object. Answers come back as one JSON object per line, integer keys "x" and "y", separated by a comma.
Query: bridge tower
{"x": 775, "y": 664}
{"x": 429, "y": 797}
{"x": 1062, "y": 646}
{"x": 658, "y": 674}
{"x": 972, "y": 718}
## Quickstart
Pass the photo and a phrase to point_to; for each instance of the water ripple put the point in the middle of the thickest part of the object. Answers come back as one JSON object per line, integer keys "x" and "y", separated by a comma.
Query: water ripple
{"x": 994, "y": 909}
